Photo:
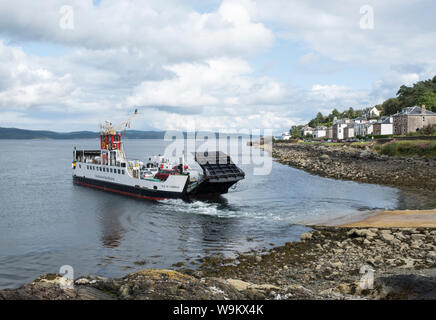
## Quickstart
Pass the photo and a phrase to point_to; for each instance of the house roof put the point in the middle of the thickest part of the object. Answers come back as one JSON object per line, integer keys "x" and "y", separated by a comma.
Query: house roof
{"x": 414, "y": 111}
{"x": 385, "y": 120}
{"x": 340, "y": 122}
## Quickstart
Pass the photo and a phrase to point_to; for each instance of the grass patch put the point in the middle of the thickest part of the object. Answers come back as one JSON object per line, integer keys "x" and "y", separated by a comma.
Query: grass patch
{"x": 409, "y": 148}
{"x": 359, "y": 144}
{"x": 322, "y": 143}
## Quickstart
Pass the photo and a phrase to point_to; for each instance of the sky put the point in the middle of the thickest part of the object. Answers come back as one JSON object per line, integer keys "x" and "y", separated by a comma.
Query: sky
{"x": 231, "y": 65}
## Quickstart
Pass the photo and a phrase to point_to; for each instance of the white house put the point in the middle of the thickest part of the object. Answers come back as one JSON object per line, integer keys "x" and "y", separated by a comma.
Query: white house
{"x": 349, "y": 131}
{"x": 320, "y": 132}
{"x": 384, "y": 126}
{"x": 363, "y": 129}
{"x": 371, "y": 113}
{"x": 306, "y": 130}
{"x": 286, "y": 136}
{"x": 338, "y": 129}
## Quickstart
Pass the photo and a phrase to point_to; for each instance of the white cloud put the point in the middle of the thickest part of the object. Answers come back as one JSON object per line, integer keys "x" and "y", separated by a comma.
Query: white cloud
{"x": 26, "y": 83}
{"x": 402, "y": 32}
{"x": 164, "y": 28}
{"x": 220, "y": 92}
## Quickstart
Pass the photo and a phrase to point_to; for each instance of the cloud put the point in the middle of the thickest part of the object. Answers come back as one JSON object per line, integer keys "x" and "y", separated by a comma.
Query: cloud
{"x": 164, "y": 28}
{"x": 402, "y": 31}
{"x": 25, "y": 83}
{"x": 224, "y": 90}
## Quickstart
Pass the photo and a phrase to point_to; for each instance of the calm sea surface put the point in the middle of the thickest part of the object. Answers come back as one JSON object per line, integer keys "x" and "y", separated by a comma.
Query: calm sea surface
{"x": 47, "y": 222}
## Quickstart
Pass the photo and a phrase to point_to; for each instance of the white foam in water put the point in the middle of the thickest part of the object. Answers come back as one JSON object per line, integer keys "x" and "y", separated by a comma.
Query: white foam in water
{"x": 213, "y": 209}
{"x": 198, "y": 207}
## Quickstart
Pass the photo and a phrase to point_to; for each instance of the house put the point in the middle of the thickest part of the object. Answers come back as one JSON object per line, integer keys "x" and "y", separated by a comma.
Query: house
{"x": 370, "y": 113}
{"x": 349, "y": 131}
{"x": 360, "y": 120}
{"x": 329, "y": 133}
{"x": 286, "y": 136}
{"x": 306, "y": 130}
{"x": 384, "y": 126}
{"x": 412, "y": 119}
{"x": 338, "y": 128}
{"x": 320, "y": 132}
{"x": 363, "y": 129}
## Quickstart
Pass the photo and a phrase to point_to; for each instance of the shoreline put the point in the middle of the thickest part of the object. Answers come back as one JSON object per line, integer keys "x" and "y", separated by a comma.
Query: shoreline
{"x": 326, "y": 264}
{"x": 366, "y": 166}
{"x": 360, "y": 164}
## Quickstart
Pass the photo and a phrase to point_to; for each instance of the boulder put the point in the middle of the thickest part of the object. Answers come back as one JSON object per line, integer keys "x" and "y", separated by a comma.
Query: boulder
{"x": 306, "y": 236}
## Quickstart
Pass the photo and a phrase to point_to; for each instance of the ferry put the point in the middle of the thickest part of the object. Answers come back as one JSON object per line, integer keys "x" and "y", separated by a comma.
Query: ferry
{"x": 157, "y": 178}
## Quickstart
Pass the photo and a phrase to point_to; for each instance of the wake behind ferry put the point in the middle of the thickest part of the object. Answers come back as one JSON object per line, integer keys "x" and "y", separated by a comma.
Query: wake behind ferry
{"x": 156, "y": 179}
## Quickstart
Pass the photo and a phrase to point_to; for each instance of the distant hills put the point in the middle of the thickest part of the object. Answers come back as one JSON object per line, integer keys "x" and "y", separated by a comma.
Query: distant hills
{"x": 14, "y": 133}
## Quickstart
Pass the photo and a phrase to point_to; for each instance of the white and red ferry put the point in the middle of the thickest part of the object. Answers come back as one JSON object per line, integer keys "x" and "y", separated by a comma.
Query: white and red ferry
{"x": 108, "y": 169}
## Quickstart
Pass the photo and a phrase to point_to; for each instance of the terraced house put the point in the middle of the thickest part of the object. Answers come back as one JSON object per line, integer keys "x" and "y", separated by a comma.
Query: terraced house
{"x": 383, "y": 126}
{"x": 412, "y": 119}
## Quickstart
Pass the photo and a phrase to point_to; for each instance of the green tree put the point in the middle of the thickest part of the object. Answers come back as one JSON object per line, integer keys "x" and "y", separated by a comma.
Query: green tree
{"x": 295, "y": 131}
{"x": 350, "y": 114}
{"x": 391, "y": 106}
{"x": 428, "y": 98}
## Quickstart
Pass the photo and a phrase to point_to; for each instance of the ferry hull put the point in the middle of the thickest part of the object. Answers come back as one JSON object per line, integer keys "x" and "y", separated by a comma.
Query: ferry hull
{"x": 210, "y": 189}
{"x": 127, "y": 190}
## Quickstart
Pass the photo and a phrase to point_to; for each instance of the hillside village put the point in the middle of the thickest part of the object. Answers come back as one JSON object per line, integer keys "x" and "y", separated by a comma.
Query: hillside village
{"x": 411, "y": 112}
{"x": 409, "y": 120}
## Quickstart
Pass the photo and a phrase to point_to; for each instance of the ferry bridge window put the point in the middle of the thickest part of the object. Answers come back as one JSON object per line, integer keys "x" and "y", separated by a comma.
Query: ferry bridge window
{"x": 122, "y": 171}
{"x": 111, "y": 170}
{"x": 119, "y": 171}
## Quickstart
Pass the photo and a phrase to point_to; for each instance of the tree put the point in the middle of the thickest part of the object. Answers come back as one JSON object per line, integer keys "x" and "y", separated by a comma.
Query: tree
{"x": 391, "y": 106}
{"x": 351, "y": 114}
{"x": 331, "y": 116}
{"x": 428, "y": 98}
{"x": 295, "y": 131}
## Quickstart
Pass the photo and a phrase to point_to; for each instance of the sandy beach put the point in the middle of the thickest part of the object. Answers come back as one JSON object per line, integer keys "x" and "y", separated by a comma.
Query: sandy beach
{"x": 397, "y": 219}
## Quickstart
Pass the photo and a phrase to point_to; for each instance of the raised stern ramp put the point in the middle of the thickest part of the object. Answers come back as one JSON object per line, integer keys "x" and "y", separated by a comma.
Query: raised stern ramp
{"x": 219, "y": 171}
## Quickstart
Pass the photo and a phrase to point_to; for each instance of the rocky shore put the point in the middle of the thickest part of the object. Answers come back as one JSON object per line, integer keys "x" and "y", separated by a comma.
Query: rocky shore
{"x": 358, "y": 164}
{"x": 328, "y": 263}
